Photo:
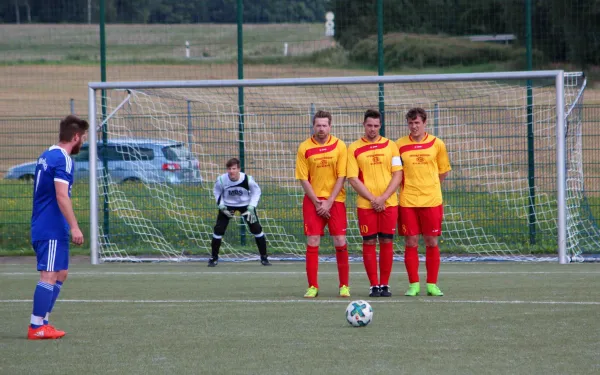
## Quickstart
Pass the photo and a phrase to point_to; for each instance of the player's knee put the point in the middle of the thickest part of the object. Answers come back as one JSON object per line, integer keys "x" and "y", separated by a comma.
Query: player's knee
{"x": 339, "y": 241}
{"x": 430, "y": 241}
{"x": 219, "y": 231}
{"x": 385, "y": 237}
{"x": 411, "y": 241}
{"x": 48, "y": 277}
{"x": 313, "y": 240}
{"x": 62, "y": 275}
{"x": 256, "y": 229}
{"x": 370, "y": 240}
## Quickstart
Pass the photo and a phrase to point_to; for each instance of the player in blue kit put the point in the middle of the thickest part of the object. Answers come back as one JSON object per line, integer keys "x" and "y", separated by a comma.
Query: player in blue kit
{"x": 51, "y": 221}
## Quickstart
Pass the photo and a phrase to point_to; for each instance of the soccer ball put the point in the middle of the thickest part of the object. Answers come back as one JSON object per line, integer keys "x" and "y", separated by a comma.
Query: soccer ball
{"x": 359, "y": 313}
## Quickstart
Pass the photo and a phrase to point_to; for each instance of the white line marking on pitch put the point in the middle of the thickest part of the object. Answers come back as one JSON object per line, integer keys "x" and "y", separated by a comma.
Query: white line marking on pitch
{"x": 202, "y": 273}
{"x": 340, "y": 301}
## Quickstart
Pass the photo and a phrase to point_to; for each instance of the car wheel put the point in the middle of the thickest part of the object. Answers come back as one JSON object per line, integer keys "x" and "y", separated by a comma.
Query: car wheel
{"x": 131, "y": 180}
{"x": 26, "y": 178}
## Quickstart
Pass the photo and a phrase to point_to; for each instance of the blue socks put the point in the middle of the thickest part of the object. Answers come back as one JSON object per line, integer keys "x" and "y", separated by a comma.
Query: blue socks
{"x": 42, "y": 299}
{"x": 56, "y": 291}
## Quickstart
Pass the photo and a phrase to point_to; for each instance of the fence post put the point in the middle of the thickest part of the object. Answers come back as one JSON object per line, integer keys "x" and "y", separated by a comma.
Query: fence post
{"x": 380, "y": 63}
{"x": 240, "y": 62}
{"x": 531, "y": 219}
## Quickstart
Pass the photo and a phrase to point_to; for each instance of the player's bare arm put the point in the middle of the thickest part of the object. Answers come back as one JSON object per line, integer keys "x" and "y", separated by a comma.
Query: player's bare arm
{"x": 310, "y": 193}
{"x": 443, "y": 176}
{"x": 379, "y": 201}
{"x": 66, "y": 207}
{"x": 361, "y": 189}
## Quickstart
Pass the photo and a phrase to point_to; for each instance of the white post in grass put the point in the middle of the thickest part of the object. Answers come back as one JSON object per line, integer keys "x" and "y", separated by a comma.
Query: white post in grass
{"x": 93, "y": 157}
{"x": 329, "y": 24}
{"x": 561, "y": 168}
{"x": 285, "y": 49}
{"x": 187, "y": 49}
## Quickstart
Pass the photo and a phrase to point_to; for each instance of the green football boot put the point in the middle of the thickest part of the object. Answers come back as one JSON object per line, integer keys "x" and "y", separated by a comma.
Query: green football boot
{"x": 344, "y": 291}
{"x": 311, "y": 292}
{"x": 413, "y": 290}
{"x": 433, "y": 290}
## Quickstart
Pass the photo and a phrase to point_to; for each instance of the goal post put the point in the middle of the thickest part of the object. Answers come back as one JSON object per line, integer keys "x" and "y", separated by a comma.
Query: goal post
{"x": 468, "y": 109}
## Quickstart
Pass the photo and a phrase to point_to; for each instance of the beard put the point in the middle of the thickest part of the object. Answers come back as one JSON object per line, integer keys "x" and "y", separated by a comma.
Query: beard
{"x": 76, "y": 148}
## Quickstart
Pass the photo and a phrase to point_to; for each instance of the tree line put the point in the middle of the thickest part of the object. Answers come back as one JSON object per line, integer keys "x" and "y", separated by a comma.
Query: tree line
{"x": 161, "y": 11}
{"x": 563, "y": 30}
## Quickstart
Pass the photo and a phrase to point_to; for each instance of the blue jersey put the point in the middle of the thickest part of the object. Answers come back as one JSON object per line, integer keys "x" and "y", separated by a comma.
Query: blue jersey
{"x": 47, "y": 221}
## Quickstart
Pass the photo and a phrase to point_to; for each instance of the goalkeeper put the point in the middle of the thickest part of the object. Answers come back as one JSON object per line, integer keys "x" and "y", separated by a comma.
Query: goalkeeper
{"x": 236, "y": 191}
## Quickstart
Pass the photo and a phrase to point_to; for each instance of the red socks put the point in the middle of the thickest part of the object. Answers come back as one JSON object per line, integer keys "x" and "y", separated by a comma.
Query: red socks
{"x": 386, "y": 259}
{"x": 370, "y": 262}
{"x": 341, "y": 256}
{"x": 411, "y": 262}
{"x": 312, "y": 265}
{"x": 432, "y": 263}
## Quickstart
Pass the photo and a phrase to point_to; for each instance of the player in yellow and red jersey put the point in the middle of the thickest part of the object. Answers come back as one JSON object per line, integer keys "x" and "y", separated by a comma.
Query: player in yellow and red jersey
{"x": 375, "y": 171}
{"x": 321, "y": 168}
{"x": 426, "y": 164}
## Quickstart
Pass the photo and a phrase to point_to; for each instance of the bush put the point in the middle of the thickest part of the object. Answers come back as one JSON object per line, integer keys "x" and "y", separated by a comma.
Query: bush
{"x": 421, "y": 51}
{"x": 334, "y": 57}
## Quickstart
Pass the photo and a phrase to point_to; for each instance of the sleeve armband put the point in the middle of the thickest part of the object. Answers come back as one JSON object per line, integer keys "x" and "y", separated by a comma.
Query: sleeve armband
{"x": 396, "y": 161}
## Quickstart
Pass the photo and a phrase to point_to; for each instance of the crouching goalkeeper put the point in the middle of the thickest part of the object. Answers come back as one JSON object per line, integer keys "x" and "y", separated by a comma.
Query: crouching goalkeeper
{"x": 236, "y": 191}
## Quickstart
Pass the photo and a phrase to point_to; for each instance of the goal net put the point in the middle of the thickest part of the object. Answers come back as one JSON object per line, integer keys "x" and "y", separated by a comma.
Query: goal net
{"x": 163, "y": 144}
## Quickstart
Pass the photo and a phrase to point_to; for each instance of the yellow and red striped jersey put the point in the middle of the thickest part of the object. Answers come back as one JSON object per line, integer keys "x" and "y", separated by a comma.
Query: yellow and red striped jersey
{"x": 322, "y": 165}
{"x": 373, "y": 163}
{"x": 423, "y": 163}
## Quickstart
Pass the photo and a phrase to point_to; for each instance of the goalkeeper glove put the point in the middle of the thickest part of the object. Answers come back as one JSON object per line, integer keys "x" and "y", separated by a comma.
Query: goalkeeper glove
{"x": 250, "y": 215}
{"x": 224, "y": 210}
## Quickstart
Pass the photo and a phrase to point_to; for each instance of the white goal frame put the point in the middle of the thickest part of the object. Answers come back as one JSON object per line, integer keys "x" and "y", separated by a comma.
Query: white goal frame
{"x": 557, "y": 75}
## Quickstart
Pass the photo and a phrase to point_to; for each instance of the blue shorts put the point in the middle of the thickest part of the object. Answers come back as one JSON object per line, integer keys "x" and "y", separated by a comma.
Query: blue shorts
{"x": 52, "y": 255}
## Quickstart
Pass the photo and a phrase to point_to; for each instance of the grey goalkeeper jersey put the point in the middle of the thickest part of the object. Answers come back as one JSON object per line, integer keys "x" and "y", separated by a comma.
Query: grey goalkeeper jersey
{"x": 240, "y": 193}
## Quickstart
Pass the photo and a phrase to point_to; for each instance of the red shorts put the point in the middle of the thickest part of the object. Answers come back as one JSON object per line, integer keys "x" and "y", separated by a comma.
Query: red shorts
{"x": 371, "y": 222}
{"x": 427, "y": 221}
{"x": 314, "y": 224}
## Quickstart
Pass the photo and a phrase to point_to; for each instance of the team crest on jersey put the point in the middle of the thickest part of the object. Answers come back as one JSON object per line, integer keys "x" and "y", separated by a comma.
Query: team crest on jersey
{"x": 43, "y": 162}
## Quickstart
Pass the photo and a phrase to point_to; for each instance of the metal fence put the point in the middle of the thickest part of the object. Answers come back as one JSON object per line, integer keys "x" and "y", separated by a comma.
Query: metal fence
{"x": 50, "y": 51}
{"x": 23, "y": 139}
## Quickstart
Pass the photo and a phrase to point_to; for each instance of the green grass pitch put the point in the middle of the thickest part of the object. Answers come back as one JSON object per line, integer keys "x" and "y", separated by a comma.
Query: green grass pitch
{"x": 242, "y": 318}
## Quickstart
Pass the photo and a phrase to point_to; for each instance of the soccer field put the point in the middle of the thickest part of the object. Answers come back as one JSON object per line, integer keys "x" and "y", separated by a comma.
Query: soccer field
{"x": 242, "y": 318}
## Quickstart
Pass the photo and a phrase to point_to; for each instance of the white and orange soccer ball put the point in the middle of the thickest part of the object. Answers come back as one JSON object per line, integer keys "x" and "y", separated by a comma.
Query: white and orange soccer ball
{"x": 359, "y": 313}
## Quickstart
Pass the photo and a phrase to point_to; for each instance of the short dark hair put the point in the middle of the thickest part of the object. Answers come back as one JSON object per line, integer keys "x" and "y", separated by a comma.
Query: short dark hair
{"x": 371, "y": 113}
{"x": 413, "y": 113}
{"x": 70, "y": 126}
{"x": 233, "y": 161}
{"x": 322, "y": 114}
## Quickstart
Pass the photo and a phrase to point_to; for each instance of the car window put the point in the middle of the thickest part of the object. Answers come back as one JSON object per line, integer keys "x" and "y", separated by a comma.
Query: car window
{"x": 126, "y": 153}
{"x": 83, "y": 155}
{"x": 177, "y": 152}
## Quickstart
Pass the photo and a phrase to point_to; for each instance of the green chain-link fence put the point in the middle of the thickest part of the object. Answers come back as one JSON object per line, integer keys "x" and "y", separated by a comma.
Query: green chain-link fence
{"x": 50, "y": 50}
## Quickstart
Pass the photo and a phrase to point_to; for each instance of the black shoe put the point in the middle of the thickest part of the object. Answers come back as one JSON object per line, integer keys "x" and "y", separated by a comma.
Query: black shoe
{"x": 264, "y": 261}
{"x": 385, "y": 291}
{"x": 212, "y": 262}
{"x": 375, "y": 291}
